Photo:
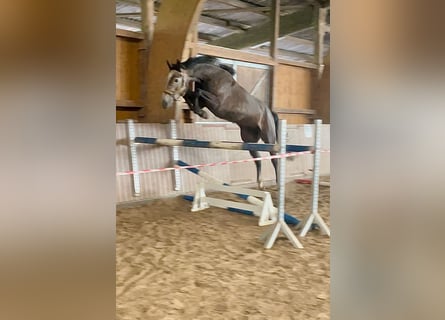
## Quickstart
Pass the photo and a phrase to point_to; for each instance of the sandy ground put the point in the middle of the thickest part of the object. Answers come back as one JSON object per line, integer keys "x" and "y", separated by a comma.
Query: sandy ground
{"x": 174, "y": 264}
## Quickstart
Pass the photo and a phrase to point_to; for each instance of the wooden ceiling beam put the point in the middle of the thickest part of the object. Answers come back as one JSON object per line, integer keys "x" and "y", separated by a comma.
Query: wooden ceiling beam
{"x": 234, "y": 3}
{"x": 233, "y": 54}
{"x": 299, "y": 41}
{"x": 288, "y": 24}
{"x": 291, "y": 54}
{"x": 227, "y": 24}
{"x": 130, "y": 2}
{"x": 128, "y": 14}
{"x": 206, "y": 36}
{"x": 129, "y": 34}
{"x": 129, "y": 23}
{"x": 251, "y": 9}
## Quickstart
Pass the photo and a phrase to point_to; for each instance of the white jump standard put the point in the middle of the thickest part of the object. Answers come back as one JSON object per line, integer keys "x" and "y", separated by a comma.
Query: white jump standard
{"x": 271, "y": 235}
{"x": 314, "y": 216}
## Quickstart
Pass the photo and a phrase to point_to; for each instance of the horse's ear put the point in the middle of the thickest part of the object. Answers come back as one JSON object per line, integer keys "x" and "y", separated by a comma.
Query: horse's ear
{"x": 169, "y": 65}
{"x": 179, "y": 65}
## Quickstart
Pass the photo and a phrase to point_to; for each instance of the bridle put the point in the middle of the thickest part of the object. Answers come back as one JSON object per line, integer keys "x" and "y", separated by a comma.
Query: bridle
{"x": 176, "y": 95}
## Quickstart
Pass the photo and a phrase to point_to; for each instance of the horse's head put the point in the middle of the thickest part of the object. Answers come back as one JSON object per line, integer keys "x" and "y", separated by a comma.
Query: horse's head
{"x": 177, "y": 85}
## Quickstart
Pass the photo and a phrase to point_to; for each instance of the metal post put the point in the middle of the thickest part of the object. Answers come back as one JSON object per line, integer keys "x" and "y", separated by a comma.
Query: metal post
{"x": 133, "y": 157}
{"x": 175, "y": 155}
{"x": 314, "y": 216}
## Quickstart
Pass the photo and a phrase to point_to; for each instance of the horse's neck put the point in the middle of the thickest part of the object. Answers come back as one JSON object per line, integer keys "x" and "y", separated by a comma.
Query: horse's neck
{"x": 204, "y": 72}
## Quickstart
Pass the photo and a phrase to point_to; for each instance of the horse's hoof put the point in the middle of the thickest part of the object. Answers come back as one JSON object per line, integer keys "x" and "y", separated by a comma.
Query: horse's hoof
{"x": 204, "y": 115}
{"x": 261, "y": 186}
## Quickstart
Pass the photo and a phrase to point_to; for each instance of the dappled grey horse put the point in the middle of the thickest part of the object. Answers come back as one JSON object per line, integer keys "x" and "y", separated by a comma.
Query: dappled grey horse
{"x": 196, "y": 97}
{"x": 212, "y": 86}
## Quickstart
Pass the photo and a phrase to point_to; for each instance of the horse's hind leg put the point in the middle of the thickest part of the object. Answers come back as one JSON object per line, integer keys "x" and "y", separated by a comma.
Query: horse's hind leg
{"x": 275, "y": 166}
{"x": 268, "y": 134}
{"x": 253, "y": 135}
{"x": 256, "y": 154}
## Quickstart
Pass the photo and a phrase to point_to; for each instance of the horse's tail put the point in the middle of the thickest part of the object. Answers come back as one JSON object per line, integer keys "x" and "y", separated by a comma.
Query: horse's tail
{"x": 275, "y": 120}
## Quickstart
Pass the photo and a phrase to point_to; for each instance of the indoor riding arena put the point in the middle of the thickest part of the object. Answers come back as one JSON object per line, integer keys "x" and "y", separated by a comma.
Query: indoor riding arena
{"x": 222, "y": 159}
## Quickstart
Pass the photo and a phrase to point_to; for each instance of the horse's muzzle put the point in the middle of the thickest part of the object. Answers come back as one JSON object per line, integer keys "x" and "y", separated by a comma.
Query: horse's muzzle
{"x": 167, "y": 101}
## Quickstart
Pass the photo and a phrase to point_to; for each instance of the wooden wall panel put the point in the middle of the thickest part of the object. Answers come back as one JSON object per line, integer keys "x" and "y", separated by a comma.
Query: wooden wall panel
{"x": 126, "y": 114}
{"x": 127, "y": 70}
{"x": 295, "y": 118}
{"x": 255, "y": 81}
{"x": 128, "y": 76}
{"x": 293, "y": 92}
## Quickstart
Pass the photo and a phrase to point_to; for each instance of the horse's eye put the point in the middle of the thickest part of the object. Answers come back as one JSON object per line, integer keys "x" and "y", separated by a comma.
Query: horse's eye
{"x": 176, "y": 80}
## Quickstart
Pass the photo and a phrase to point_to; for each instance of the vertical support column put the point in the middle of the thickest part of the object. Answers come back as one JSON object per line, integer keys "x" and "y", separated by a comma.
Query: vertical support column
{"x": 175, "y": 20}
{"x": 131, "y": 134}
{"x": 175, "y": 155}
{"x": 271, "y": 235}
{"x": 314, "y": 215}
{"x": 191, "y": 44}
{"x": 195, "y": 39}
{"x": 147, "y": 15}
{"x": 320, "y": 30}
{"x": 275, "y": 20}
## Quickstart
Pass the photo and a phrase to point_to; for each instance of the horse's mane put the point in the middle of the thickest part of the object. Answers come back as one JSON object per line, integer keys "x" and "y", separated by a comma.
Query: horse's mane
{"x": 193, "y": 61}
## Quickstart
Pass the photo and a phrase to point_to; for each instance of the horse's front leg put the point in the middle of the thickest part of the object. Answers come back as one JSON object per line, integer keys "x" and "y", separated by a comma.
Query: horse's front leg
{"x": 192, "y": 101}
{"x": 256, "y": 154}
{"x": 275, "y": 166}
{"x": 198, "y": 109}
{"x": 206, "y": 99}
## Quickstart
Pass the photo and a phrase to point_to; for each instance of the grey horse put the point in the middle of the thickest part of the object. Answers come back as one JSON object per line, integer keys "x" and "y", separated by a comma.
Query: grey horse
{"x": 212, "y": 86}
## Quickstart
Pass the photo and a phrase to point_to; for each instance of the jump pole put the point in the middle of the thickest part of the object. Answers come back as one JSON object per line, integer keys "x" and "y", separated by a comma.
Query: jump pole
{"x": 288, "y": 218}
{"x": 237, "y": 210}
{"x": 227, "y": 145}
{"x": 271, "y": 235}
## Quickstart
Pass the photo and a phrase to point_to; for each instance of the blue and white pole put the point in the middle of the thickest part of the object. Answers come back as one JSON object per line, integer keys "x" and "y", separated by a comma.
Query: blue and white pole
{"x": 288, "y": 218}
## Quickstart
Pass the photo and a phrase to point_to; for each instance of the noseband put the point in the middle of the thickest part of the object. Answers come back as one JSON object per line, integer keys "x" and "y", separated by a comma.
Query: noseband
{"x": 188, "y": 83}
{"x": 176, "y": 95}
